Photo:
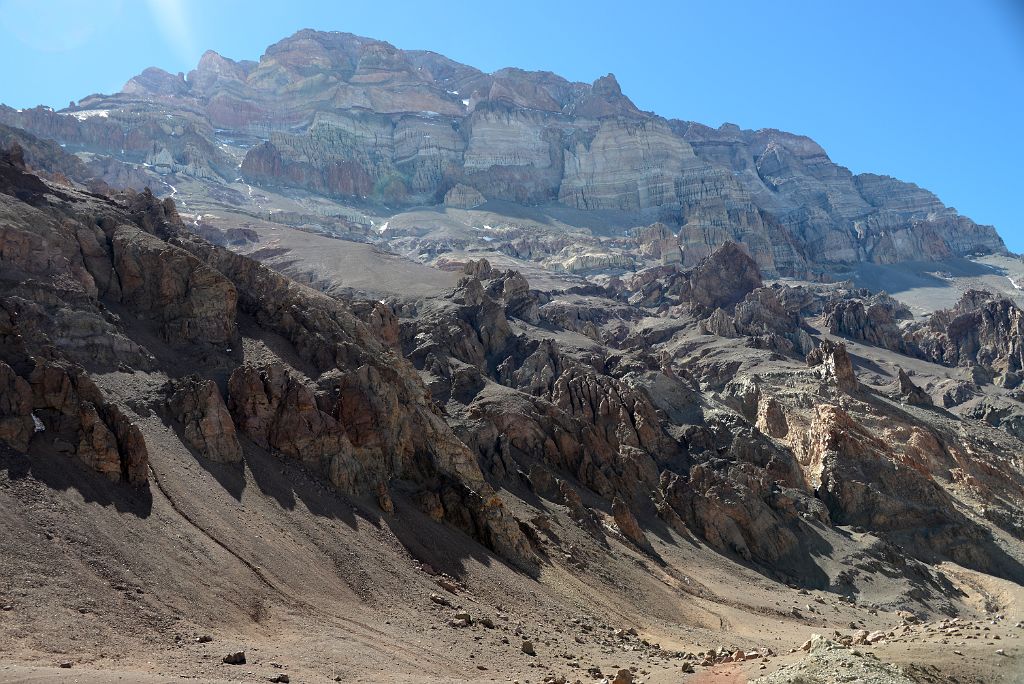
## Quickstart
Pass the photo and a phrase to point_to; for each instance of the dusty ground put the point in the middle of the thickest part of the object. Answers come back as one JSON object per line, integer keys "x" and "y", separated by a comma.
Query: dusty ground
{"x": 270, "y": 561}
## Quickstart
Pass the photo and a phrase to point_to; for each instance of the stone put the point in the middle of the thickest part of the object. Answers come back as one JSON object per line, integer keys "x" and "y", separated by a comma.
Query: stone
{"x": 719, "y": 281}
{"x": 463, "y": 197}
{"x": 627, "y": 524}
{"x": 771, "y": 418}
{"x": 834, "y": 366}
{"x": 870, "y": 318}
{"x": 623, "y": 676}
{"x": 527, "y": 648}
{"x": 910, "y": 393}
{"x": 16, "y": 424}
{"x": 192, "y": 302}
{"x": 959, "y": 393}
{"x": 197, "y": 404}
{"x": 235, "y": 658}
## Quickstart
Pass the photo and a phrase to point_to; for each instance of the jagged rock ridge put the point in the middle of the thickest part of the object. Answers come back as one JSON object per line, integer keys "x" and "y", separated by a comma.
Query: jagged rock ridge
{"x": 354, "y": 118}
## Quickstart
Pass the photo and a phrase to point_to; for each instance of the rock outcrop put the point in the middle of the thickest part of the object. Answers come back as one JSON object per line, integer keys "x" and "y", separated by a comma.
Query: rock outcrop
{"x": 463, "y": 197}
{"x": 907, "y": 391}
{"x": 357, "y": 119}
{"x": 833, "y": 364}
{"x": 197, "y": 404}
{"x": 874, "y": 319}
{"x": 76, "y": 418}
{"x": 16, "y": 423}
{"x": 981, "y": 329}
{"x": 720, "y": 281}
{"x": 193, "y": 303}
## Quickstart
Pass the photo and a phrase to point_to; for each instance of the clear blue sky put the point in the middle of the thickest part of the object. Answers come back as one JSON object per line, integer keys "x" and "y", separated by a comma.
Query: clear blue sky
{"x": 930, "y": 91}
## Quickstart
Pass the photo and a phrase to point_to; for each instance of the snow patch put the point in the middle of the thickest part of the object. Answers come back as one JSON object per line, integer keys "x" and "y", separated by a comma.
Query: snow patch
{"x": 39, "y": 427}
{"x": 90, "y": 113}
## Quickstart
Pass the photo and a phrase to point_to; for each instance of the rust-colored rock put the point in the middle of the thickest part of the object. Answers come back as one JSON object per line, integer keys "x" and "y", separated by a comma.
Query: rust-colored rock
{"x": 198, "y": 405}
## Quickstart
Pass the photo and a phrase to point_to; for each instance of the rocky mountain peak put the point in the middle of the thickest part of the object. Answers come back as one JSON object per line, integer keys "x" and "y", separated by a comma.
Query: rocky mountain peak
{"x": 154, "y": 81}
{"x": 607, "y": 86}
{"x": 214, "y": 68}
{"x": 358, "y": 121}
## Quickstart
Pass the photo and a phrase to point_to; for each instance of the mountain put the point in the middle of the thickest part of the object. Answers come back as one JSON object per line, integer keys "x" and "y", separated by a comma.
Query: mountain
{"x": 263, "y": 429}
{"x": 358, "y": 120}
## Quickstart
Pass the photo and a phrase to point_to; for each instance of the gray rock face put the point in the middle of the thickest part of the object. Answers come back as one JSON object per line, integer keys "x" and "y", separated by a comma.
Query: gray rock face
{"x": 355, "y": 118}
{"x": 463, "y": 197}
{"x": 907, "y": 391}
{"x": 874, "y": 320}
{"x": 834, "y": 365}
{"x": 981, "y": 329}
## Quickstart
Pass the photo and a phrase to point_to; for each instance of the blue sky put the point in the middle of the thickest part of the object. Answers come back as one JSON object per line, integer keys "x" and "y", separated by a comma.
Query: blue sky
{"x": 927, "y": 91}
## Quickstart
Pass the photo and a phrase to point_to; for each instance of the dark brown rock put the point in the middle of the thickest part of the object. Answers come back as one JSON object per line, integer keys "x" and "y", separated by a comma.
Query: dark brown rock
{"x": 627, "y": 524}
{"x": 192, "y": 302}
{"x": 198, "y": 405}
{"x": 16, "y": 425}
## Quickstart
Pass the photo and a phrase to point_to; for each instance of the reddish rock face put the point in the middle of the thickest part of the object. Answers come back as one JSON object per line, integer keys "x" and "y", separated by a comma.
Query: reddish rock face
{"x": 265, "y": 164}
